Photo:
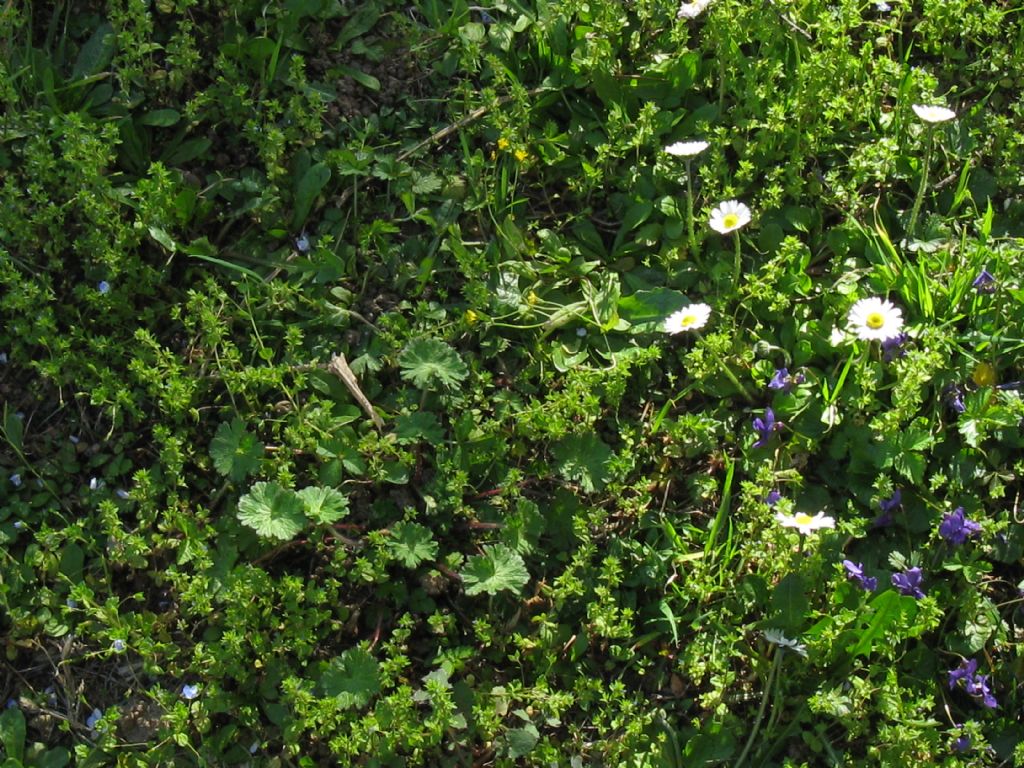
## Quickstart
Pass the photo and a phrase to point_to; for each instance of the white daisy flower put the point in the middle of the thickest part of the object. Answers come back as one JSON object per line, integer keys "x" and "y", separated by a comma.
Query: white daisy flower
{"x": 875, "y": 319}
{"x": 687, "y": 148}
{"x": 776, "y": 637}
{"x": 729, "y": 216}
{"x": 691, "y": 9}
{"x": 688, "y": 318}
{"x": 804, "y": 523}
{"x": 933, "y": 114}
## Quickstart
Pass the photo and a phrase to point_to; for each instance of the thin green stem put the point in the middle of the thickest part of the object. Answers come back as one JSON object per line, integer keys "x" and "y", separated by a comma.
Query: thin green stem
{"x": 689, "y": 212}
{"x": 776, "y": 663}
{"x": 736, "y": 382}
{"x": 923, "y": 185}
{"x": 737, "y": 263}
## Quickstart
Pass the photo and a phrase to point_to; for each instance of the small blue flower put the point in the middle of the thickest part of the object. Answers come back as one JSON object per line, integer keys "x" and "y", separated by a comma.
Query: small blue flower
{"x": 121, "y": 493}
{"x": 962, "y": 744}
{"x": 909, "y": 583}
{"x": 16, "y": 480}
{"x": 766, "y": 427}
{"x": 783, "y": 382}
{"x": 119, "y": 645}
{"x": 882, "y": 7}
{"x": 581, "y": 332}
{"x": 71, "y": 603}
{"x": 955, "y": 399}
{"x": 74, "y": 439}
{"x": 985, "y": 282}
{"x": 892, "y": 348}
{"x": 93, "y": 719}
{"x": 855, "y": 572}
{"x": 302, "y": 243}
{"x": 11, "y": 703}
{"x": 956, "y": 528}
{"x": 772, "y": 498}
{"x": 189, "y": 692}
{"x": 95, "y": 483}
{"x": 966, "y": 677}
{"x": 103, "y": 287}
{"x": 18, "y": 525}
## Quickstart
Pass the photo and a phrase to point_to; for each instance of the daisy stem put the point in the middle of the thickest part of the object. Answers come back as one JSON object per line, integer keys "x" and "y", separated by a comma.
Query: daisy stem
{"x": 736, "y": 264}
{"x": 923, "y": 185}
{"x": 736, "y": 382}
{"x": 776, "y": 663}
{"x": 689, "y": 212}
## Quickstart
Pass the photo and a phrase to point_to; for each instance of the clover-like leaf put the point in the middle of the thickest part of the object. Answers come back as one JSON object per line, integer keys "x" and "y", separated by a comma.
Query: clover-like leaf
{"x": 498, "y": 569}
{"x": 430, "y": 362}
{"x": 272, "y": 511}
{"x": 324, "y": 505}
{"x": 235, "y": 452}
{"x": 352, "y": 678}
{"x": 411, "y": 544}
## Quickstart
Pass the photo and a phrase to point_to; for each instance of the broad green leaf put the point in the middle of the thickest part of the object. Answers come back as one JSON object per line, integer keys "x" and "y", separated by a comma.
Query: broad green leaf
{"x": 324, "y": 505}
{"x": 235, "y": 452}
{"x": 361, "y": 22}
{"x": 521, "y": 741}
{"x": 306, "y": 190}
{"x": 272, "y": 511}
{"x": 97, "y": 52}
{"x": 352, "y": 678}
{"x": 583, "y": 459}
{"x": 411, "y": 544}
{"x": 646, "y": 310}
{"x": 422, "y": 425}
{"x": 162, "y": 118}
{"x": 886, "y": 610}
{"x": 789, "y": 602}
{"x": 429, "y": 362}
{"x": 12, "y": 733}
{"x": 498, "y": 569}
{"x": 13, "y": 428}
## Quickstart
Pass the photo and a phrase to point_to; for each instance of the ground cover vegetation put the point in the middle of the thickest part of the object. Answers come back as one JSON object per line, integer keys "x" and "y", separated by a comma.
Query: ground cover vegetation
{"x": 590, "y": 383}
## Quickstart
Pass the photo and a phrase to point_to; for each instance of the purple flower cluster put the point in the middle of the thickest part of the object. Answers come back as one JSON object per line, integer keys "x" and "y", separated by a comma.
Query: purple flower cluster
{"x": 855, "y": 572}
{"x": 985, "y": 282}
{"x": 783, "y": 382}
{"x": 909, "y": 583}
{"x": 765, "y": 427}
{"x": 966, "y": 677}
{"x": 888, "y": 506}
{"x": 892, "y": 348}
{"x": 956, "y": 528}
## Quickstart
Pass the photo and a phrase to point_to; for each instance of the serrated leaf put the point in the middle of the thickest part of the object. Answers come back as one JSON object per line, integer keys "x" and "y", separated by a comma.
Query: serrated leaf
{"x": 498, "y": 569}
{"x": 272, "y": 511}
{"x": 411, "y": 544}
{"x": 324, "y": 505}
{"x": 235, "y": 452}
{"x": 427, "y": 362}
{"x": 352, "y": 679}
{"x": 426, "y": 183}
{"x": 583, "y": 459}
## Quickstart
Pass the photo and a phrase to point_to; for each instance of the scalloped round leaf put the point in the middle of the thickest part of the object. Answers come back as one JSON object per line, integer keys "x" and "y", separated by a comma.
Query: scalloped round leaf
{"x": 498, "y": 569}
{"x": 272, "y": 511}
{"x": 324, "y": 505}
{"x": 352, "y": 678}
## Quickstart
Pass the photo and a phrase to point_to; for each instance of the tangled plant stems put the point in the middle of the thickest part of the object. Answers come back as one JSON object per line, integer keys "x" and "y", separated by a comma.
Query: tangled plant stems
{"x": 931, "y": 116}
{"x": 688, "y": 150}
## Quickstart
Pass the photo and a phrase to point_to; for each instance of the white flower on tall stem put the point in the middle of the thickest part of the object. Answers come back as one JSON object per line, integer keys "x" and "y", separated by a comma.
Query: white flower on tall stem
{"x": 691, "y": 9}
{"x": 689, "y": 318}
{"x": 933, "y": 114}
{"x": 686, "y": 148}
{"x": 776, "y": 637}
{"x": 729, "y": 216}
{"x": 804, "y": 523}
{"x": 875, "y": 319}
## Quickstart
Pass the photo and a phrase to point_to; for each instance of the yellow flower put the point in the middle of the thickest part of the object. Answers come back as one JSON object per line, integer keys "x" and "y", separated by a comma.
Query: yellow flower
{"x": 471, "y": 316}
{"x": 984, "y": 375}
{"x": 532, "y": 298}
{"x": 503, "y": 143}
{"x": 521, "y": 155}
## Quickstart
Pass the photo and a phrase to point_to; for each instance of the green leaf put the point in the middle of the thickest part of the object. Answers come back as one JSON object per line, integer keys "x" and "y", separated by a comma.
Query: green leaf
{"x": 789, "y": 602}
{"x": 583, "y": 459}
{"x": 411, "y": 544}
{"x": 521, "y": 741}
{"x": 886, "y": 611}
{"x": 427, "y": 362}
{"x": 425, "y": 183}
{"x": 161, "y": 118}
{"x": 497, "y": 569}
{"x": 13, "y": 429}
{"x": 362, "y": 21}
{"x": 422, "y": 425}
{"x": 352, "y": 679}
{"x": 235, "y": 452}
{"x": 272, "y": 511}
{"x": 97, "y": 52}
{"x": 646, "y": 310}
{"x": 324, "y": 505}
{"x": 12, "y": 733}
{"x": 308, "y": 187}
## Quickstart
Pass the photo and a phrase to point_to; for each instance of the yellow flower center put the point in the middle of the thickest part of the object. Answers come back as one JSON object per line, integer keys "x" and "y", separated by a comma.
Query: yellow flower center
{"x": 688, "y": 320}
{"x": 802, "y": 518}
{"x": 730, "y": 220}
{"x": 875, "y": 320}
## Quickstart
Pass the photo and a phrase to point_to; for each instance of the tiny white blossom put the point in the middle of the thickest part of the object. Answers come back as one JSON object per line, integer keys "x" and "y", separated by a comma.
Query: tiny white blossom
{"x": 691, "y": 9}
{"x": 933, "y": 114}
{"x": 729, "y": 216}
{"x": 776, "y": 637}
{"x": 805, "y": 523}
{"x": 688, "y": 318}
{"x": 686, "y": 148}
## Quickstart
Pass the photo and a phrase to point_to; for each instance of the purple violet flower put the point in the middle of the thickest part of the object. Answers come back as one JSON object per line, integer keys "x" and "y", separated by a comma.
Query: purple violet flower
{"x": 955, "y": 399}
{"x": 967, "y": 678}
{"x": 783, "y": 382}
{"x": 855, "y": 572}
{"x": 765, "y": 427}
{"x": 985, "y": 282}
{"x": 888, "y": 506}
{"x": 892, "y": 348}
{"x": 772, "y": 498}
{"x": 909, "y": 583}
{"x": 956, "y": 528}
{"x": 962, "y": 744}
{"x": 103, "y": 286}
